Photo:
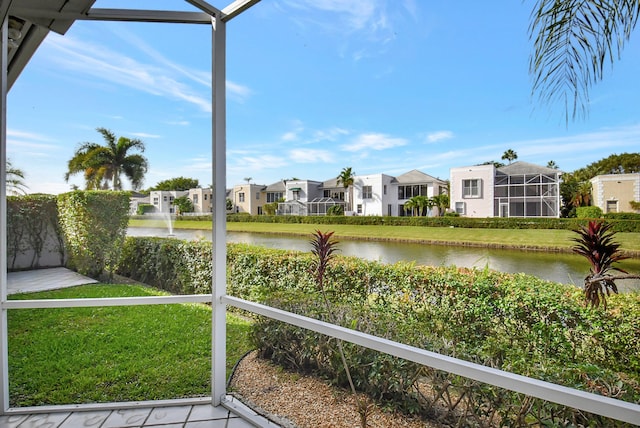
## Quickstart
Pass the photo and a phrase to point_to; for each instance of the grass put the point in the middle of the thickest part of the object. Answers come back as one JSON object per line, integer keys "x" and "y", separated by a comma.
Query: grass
{"x": 518, "y": 238}
{"x": 111, "y": 354}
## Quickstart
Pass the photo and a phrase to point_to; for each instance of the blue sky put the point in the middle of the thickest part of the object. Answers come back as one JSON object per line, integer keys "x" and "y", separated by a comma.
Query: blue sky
{"x": 313, "y": 86}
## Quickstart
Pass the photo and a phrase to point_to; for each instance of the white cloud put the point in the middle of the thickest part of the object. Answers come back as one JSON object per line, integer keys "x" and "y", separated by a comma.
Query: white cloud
{"x": 373, "y": 141}
{"x": 310, "y": 156}
{"x": 103, "y": 63}
{"x": 179, "y": 122}
{"x": 434, "y": 137}
{"x": 26, "y": 135}
{"x": 238, "y": 92}
{"x": 145, "y": 135}
{"x": 289, "y": 136}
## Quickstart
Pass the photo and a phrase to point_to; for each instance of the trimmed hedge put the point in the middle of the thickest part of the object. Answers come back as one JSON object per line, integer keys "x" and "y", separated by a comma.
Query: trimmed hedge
{"x": 517, "y": 323}
{"x": 619, "y": 224}
{"x": 94, "y": 225}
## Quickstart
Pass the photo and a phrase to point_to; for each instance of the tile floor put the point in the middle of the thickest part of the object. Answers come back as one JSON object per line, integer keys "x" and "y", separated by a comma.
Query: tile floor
{"x": 191, "y": 416}
{"x": 179, "y": 416}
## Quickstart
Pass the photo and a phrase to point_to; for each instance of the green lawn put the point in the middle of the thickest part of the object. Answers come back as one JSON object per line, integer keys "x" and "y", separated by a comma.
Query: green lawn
{"x": 539, "y": 238}
{"x": 110, "y": 354}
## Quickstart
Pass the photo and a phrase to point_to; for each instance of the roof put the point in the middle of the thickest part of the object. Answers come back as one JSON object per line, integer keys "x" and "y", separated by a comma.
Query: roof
{"x": 278, "y": 186}
{"x": 520, "y": 167}
{"x": 33, "y": 19}
{"x": 330, "y": 183}
{"x": 414, "y": 177}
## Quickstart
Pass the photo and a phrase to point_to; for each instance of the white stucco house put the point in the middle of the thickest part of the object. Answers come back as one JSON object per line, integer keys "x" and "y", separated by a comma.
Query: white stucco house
{"x": 162, "y": 200}
{"x": 520, "y": 189}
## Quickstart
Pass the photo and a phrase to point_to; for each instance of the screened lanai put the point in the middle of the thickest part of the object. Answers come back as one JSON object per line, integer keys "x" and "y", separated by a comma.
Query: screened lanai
{"x": 25, "y": 25}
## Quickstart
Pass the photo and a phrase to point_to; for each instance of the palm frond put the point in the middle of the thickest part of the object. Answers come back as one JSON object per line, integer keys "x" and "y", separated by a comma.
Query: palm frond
{"x": 573, "y": 40}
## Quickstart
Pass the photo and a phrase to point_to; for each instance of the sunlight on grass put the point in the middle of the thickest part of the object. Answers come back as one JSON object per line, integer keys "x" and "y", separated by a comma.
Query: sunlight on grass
{"x": 83, "y": 355}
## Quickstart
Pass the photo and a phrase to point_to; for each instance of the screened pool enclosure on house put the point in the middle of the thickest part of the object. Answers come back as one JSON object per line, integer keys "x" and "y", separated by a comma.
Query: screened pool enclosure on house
{"x": 25, "y": 24}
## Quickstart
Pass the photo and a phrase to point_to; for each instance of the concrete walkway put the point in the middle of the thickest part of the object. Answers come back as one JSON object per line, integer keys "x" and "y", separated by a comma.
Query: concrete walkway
{"x": 147, "y": 415}
{"x": 29, "y": 281}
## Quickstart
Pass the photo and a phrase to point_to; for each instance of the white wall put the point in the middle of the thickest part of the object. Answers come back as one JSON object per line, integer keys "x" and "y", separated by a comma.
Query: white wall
{"x": 379, "y": 201}
{"x": 474, "y": 207}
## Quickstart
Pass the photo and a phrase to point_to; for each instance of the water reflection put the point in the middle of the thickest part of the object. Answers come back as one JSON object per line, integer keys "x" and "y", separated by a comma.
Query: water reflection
{"x": 558, "y": 267}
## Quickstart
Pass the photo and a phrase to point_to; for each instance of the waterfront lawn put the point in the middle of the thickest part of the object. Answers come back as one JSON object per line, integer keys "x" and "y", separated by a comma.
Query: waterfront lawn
{"x": 111, "y": 354}
{"x": 551, "y": 239}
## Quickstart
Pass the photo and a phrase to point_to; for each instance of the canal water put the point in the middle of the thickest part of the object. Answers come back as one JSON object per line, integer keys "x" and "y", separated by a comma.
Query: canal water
{"x": 558, "y": 267}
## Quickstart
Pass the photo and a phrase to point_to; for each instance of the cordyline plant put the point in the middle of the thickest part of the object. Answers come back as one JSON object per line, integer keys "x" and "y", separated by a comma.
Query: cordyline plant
{"x": 324, "y": 248}
{"x": 597, "y": 245}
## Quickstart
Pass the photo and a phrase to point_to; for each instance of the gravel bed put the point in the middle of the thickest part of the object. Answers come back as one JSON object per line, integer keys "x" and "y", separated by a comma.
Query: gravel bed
{"x": 296, "y": 401}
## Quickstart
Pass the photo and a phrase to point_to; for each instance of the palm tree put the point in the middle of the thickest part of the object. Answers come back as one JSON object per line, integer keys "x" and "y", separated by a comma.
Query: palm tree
{"x": 552, "y": 164}
{"x": 346, "y": 178}
{"x": 103, "y": 165}
{"x": 573, "y": 40}
{"x": 442, "y": 202}
{"x": 582, "y": 195}
{"x": 15, "y": 180}
{"x": 510, "y": 155}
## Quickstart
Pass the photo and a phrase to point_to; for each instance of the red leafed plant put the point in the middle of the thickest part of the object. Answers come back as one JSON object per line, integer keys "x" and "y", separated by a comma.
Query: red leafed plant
{"x": 597, "y": 245}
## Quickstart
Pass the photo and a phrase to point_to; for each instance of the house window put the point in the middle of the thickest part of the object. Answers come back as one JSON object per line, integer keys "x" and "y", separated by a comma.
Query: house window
{"x": 257, "y": 196}
{"x": 259, "y": 210}
{"x": 273, "y": 197}
{"x": 205, "y": 196}
{"x": 359, "y": 209}
{"x": 367, "y": 192}
{"x": 241, "y": 197}
{"x": 384, "y": 189}
{"x": 612, "y": 206}
{"x": 170, "y": 198}
{"x": 471, "y": 188}
{"x": 195, "y": 199}
{"x": 155, "y": 201}
{"x": 326, "y": 194}
{"x": 164, "y": 198}
{"x": 460, "y": 208}
{"x": 389, "y": 209}
{"x": 296, "y": 195}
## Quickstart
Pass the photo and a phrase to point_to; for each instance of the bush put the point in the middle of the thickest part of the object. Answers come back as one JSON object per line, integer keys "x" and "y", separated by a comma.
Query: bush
{"x": 517, "y": 323}
{"x": 588, "y": 212}
{"x": 93, "y": 224}
{"x": 145, "y": 209}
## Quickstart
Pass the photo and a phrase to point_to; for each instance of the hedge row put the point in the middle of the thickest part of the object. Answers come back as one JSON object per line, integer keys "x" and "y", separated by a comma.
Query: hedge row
{"x": 514, "y": 322}
{"x": 620, "y": 224}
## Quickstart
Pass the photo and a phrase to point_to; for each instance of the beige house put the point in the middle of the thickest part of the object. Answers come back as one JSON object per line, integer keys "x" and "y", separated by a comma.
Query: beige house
{"x": 202, "y": 200}
{"x": 249, "y": 198}
{"x": 614, "y": 192}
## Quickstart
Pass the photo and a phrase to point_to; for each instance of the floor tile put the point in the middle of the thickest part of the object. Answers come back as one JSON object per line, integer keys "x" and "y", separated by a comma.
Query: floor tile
{"x": 168, "y": 415}
{"x": 127, "y": 418}
{"x": 241, "y": 423}
{"x": 204, "y": 412}
{"x": 180, "y": 425}
{"x": 218, "y": 423}
{"x": 45, "y": 420}
{"x": 12, "y": 421}
{"x": 86, "y": 419}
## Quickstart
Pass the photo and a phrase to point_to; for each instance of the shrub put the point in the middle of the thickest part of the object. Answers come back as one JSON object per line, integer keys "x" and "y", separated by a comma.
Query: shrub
{"x": 93, "y": 224}
{"x": 145, "y": 209}
{"x": 588, "y": 212}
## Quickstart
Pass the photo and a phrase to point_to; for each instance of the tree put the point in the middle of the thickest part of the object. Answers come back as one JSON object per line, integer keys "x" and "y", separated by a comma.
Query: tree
{"x": 624, "y": 163}
{"x": 103, "y": 165}
{"x": 346, "y": 178}
{"x": 582, "y": 195}
{"x": 184, "y": 204}
{"x": 15, "y": 180}
{"x": 442, "y": 202}
{"x": 177, "y": 183}
{"x": 248, "y": 179}
{"x": 552, "y": 164}
{"x": 419, "y": 203}
{"x": 494, "y": 163}
{"x": 572, "y": 41}
{"x": 510, "y": 155}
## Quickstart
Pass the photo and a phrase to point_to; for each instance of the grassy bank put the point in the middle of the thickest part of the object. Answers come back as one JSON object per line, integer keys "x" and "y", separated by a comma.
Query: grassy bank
{"x": 546, "y": 239}
{"x": 110, "y": 354}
